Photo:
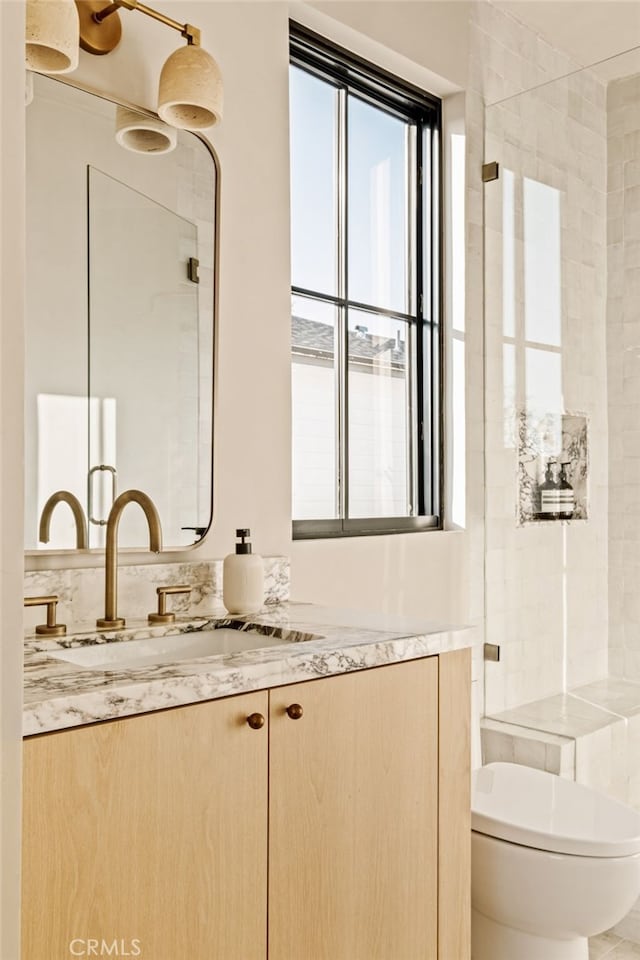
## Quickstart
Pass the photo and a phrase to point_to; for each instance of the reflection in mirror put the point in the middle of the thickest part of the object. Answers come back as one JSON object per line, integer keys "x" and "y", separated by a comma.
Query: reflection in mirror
{"x": 120, "y": 320}
{"x": 143, "y": 357}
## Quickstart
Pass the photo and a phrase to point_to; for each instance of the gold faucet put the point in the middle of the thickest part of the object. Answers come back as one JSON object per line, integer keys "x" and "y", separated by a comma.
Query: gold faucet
{"x": 78, "y": 515}
{"x": 111, "y": 620}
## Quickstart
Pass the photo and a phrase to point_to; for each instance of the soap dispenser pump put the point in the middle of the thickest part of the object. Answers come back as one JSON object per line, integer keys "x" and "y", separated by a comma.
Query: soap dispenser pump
{"x": 243, "y": 577}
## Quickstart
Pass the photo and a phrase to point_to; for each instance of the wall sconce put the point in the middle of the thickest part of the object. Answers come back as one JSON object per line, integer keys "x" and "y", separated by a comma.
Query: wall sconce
{"x": 143, "y": 134}
{"x": 51, "y": 36}
{"x": 190, "y": 93}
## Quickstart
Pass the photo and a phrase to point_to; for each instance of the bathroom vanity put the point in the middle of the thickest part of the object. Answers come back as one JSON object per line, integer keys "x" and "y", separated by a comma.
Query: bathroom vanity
{"x": 325, "y": 818}
{"x": 304, "y": 796}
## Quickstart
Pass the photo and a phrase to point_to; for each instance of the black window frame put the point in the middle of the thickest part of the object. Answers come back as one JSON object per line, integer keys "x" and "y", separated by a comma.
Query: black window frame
{"x": 345, "y": 70}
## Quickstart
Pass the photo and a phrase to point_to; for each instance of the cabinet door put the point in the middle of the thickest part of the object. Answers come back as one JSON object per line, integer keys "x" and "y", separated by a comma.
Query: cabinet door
{"x": 150, "y": 832}
{"x": 353, "y": 816}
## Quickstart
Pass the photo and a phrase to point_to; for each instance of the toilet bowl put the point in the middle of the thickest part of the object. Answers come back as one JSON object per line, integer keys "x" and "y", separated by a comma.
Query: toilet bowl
{"x": 553, "y": 863}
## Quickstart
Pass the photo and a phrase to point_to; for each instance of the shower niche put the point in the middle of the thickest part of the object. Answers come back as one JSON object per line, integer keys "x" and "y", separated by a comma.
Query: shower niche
{"x": 553, "y": 467}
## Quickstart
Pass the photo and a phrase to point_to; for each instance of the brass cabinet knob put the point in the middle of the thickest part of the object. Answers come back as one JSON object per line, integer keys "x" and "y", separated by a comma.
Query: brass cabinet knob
{"x": 295, "y": 711}
{"x": 255, "y": 721}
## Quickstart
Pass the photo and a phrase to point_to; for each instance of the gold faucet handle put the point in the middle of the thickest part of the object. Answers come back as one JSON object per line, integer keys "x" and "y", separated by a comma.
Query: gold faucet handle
{"x": 50, "y": 628}
{"x": 162, "y": 616}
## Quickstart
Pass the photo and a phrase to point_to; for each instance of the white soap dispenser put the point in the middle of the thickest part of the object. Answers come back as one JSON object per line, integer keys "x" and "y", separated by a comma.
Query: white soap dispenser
{"x": 243, "y": 578}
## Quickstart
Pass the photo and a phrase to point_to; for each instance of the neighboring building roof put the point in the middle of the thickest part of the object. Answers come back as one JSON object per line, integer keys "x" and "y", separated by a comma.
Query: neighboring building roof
{"x": 314, "y": 339}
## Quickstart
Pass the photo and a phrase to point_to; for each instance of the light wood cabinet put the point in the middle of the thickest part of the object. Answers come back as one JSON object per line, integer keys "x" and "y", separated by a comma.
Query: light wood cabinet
{"x": 176, "y": 829}
{"x": 151, "y": 829}
{"x": 353, "y": 827}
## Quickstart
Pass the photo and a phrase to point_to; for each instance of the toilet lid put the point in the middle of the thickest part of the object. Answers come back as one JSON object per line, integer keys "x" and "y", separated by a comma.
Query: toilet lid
{"x": 540, "y": 810}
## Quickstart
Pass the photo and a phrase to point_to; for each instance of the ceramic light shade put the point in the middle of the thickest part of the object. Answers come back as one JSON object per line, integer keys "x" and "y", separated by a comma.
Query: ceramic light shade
{"x": 142, "y": 134}
{"x": 190, "y": 93}
{"x": 51, "y": 36}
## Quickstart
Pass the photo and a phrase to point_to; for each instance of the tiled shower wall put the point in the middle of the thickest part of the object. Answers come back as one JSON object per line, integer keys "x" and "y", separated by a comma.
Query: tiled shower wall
{"x": 562, "y": 600}
{"x": 623, "y": 348}
{"x": 546, "y": 583}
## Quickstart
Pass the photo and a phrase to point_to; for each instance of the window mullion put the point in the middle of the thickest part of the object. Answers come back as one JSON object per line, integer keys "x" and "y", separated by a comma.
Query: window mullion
{"x": 424, "y": 490}
{"x": 411, "y": 281}
{"x": 411, "y": 201}
{"x": 436, "y": 346}
{"x": 342, "y": 326}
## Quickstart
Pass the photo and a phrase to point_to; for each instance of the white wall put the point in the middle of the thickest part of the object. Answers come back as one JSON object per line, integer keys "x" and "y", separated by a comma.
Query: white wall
{"x": 623, "y": 348}
{"x": 11, "y": 451}
{"x": 434, "y": 35}
{"x": 377, "y": 450}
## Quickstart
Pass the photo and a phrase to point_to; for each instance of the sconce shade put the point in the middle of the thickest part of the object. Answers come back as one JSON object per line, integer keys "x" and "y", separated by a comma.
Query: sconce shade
{"x": 141, "y": 134}
{"x": 51, "y": 36}
{"x": 190, "y": 92}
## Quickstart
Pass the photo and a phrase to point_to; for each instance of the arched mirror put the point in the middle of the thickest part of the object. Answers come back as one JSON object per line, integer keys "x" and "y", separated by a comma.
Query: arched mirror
{"x": 121, "y": 255}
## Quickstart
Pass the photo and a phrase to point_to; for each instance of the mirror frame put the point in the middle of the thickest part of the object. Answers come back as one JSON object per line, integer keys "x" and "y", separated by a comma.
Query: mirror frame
{"x": 139, "y": 554}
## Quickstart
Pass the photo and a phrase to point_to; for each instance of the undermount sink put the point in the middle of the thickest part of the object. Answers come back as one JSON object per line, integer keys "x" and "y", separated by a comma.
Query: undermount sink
{"x": 168, "y": 649}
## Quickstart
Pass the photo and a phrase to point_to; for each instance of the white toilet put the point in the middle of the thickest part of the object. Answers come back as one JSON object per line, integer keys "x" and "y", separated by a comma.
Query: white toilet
{"x": 553, "y": 863}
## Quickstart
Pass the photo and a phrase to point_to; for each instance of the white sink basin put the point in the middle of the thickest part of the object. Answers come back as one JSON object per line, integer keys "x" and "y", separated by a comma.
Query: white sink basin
{"x": 179, "y": 646}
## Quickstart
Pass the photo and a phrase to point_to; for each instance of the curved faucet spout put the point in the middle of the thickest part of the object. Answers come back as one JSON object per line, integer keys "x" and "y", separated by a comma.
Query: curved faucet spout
{"x": 111, "y": 620}
{"x": 64, "y": 496}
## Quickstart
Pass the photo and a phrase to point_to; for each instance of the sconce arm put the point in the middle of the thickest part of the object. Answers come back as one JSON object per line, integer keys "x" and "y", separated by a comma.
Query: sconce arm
{"x": 190, "y": 33}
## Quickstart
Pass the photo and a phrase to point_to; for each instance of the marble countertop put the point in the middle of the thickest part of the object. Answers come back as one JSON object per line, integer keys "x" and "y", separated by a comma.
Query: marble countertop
{"x": 317, "y": 642}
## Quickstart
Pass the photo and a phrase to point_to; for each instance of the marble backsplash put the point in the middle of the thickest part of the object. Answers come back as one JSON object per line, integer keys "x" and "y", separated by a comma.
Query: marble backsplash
{"x": 80, "y": 591}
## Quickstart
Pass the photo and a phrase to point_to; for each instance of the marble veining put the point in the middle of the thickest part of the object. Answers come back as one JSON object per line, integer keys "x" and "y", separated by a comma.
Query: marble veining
{"x": 599, "y": 723}
{"x": 581, "y": 711}
{"x": 60, "y": 694}
{"x": 81, "y": 590}
{"x": 84, "y": 636}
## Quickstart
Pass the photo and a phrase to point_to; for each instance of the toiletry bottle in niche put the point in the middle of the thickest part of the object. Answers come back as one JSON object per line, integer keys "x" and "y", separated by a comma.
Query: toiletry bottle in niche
{"x": 566, "y": 494}
{"x": 243, "y": 578}
{"x": 549, "y": 493}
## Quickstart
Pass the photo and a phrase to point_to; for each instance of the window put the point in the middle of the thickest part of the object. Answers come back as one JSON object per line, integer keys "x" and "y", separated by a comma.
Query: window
{"x": 366, "y": 337}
